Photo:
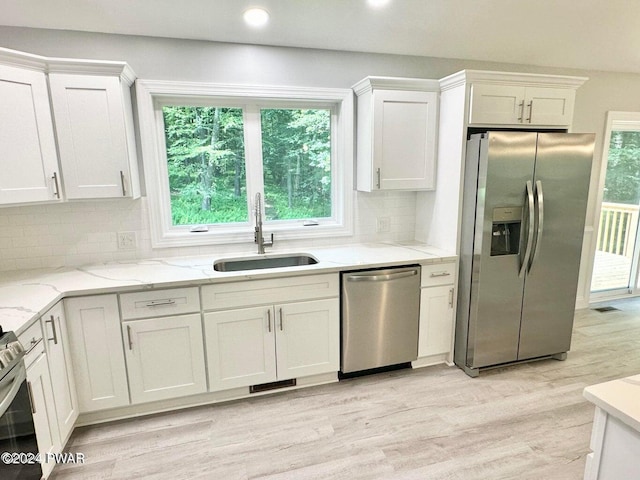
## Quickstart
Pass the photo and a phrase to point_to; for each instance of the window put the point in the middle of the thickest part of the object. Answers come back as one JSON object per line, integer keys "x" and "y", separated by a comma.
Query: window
{"x": 206, "y": 165}
{"x": 209, "y": 149}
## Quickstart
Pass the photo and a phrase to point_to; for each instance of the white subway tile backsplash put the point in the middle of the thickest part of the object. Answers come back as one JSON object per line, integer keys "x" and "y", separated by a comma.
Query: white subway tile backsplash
{"x": 79, "y": 233}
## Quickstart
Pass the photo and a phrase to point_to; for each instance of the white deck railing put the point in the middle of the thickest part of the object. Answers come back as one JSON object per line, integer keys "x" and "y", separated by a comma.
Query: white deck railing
{"x": 618, "y": 227}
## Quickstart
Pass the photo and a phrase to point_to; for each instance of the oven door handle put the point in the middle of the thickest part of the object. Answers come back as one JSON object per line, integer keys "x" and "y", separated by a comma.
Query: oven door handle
{"x": 9, "y": 387}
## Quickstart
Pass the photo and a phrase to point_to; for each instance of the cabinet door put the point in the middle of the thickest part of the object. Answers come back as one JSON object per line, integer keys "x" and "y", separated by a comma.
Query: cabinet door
{"x": 436, "y": 320}
{"x": 44, "y": 414}
{"x": 496, "y": 104}
{"x": 165, "y": 357}
{"x": 62, "y": 381}
{"x": 240, "y": 347}
{"x": 90, "y": 125}
{"x": 29, "y": 160}
{"x": 96, "y": 352}
{"x": 307, "y": 338}
{"x": 404, "y": 140}
{"x": 549, "y": 106}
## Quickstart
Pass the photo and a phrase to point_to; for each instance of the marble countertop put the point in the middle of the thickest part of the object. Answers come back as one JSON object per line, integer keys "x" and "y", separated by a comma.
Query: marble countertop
{"x": 26, "y": 295}
{"x": 619, "y": 398}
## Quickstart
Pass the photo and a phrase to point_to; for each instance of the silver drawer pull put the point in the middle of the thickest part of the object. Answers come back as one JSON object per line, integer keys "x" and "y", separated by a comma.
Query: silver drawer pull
{"x": 441, "y": 274}
{"x": 158, "y": 303}
{"x": 33, "y": 344}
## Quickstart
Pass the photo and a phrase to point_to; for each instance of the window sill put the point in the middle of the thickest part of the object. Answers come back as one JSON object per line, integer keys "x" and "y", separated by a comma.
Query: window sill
{"x": 245, "y": 234}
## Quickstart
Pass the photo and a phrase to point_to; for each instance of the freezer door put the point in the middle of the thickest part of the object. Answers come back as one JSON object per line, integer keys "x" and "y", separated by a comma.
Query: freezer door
{"x": 562, "y": 174}
{"x": 505, "y": 166}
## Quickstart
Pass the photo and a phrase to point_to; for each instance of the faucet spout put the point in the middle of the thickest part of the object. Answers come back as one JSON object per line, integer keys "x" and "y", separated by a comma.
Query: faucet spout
{"x": 258, "y": 237}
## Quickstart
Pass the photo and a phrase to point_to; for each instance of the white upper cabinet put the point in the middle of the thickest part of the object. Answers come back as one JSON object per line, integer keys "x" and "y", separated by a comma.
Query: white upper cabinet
{"x": 396, "y": 133}
{"x": 29, "y": 162}
{"x": 92, "y": 122}
{"x": 521, "y": 99}
{"x": 97, "y": 153}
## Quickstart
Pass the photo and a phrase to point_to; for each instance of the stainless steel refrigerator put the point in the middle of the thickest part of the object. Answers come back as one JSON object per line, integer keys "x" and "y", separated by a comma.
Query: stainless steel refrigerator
{"x": 523, "y": 215}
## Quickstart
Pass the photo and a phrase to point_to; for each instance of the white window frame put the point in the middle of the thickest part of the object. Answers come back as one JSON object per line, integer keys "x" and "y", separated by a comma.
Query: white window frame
{"x": 153, "y": 94}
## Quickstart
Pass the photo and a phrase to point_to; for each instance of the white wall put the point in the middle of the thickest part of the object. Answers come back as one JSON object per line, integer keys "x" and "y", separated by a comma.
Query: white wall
{"x": 93, "y": 239}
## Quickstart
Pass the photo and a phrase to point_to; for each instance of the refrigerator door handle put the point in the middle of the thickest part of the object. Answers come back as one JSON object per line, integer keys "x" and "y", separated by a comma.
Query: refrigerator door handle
{"x": 540, "y": 204}
{"x": 531, "y": 207}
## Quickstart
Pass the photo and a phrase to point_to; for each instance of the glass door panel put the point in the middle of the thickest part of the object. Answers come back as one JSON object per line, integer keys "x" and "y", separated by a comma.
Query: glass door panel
{"x": 615, "y": 264}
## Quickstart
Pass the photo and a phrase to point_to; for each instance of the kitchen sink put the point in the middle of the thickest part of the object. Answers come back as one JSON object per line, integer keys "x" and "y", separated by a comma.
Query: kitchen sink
{"x": 257, "y": 263}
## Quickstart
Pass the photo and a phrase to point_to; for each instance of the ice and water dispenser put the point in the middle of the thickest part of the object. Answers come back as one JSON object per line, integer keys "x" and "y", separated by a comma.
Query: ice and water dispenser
{"x": 505, "y": 231}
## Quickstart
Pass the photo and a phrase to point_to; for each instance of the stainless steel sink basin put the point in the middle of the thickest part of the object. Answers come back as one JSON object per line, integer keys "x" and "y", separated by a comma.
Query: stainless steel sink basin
{"x": 257, "y": 263}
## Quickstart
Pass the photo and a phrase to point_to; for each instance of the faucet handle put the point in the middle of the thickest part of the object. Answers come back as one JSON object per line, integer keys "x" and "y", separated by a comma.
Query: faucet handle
{"x": 269, "y": 243}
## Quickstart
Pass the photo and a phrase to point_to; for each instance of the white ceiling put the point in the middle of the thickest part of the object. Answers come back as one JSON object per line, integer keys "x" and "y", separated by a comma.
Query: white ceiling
{"x": 590, "y": 34}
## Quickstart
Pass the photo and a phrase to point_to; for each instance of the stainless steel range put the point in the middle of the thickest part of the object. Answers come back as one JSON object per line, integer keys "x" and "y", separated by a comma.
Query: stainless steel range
{"x": 18, "y": 445}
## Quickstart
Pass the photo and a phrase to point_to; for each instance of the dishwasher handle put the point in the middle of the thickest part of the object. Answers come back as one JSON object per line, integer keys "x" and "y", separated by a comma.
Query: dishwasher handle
{"x": 381, "y": 278}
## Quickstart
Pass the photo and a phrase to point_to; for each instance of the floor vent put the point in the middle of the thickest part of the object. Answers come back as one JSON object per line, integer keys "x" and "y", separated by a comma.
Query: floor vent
{"x": 272, "y": 386}
{"x": 606, "y": 309}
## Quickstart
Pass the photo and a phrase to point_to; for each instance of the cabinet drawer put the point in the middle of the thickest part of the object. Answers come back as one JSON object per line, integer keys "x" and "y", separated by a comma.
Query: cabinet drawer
{"x": 261, "y": 292}
{"x": 438, "y": 274}
{"x": 31, "y": 338}
{"x": 159, "y": 303}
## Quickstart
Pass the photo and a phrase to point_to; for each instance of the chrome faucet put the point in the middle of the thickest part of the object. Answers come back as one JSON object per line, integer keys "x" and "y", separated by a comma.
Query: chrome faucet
{"x": 258, "y": 238}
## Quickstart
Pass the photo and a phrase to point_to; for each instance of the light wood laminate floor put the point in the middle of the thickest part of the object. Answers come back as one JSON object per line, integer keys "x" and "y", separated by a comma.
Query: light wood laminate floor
{"x": 528, "y": 422}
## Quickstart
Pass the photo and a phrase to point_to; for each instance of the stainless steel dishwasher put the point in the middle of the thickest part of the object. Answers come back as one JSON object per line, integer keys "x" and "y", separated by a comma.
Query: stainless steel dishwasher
{"x": 380, "y": 313}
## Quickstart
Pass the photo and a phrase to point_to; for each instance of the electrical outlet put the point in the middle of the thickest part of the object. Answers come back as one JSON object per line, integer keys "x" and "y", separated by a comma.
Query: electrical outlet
{"x": 383, "y": 224}
{"x": 126, "y": 240}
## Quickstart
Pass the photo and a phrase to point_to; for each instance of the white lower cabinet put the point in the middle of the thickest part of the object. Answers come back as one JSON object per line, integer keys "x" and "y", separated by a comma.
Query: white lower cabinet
{"x": 436, "y": 320}
{"x": 307, "y": 338}
{"x": 97, "y": 352}
{"x": 44, "y": 414}
{"x": 240, "y": 347}
{"x": 41, "y": 395}
{"x": 251, "y": 346}
{"x": 437, "y": 308}
{"x": 62, "y": 379}
{"x": 165, "y": 357}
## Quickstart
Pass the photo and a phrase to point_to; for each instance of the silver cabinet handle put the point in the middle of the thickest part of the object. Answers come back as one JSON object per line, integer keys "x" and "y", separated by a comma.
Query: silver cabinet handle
{"x": 441, "y": 274}
{"x": 159, "y": 303}
{"x": 530, "y": 105}
{"x": 33, "y": 404}
{"x": 269, "y": 320}
{"x": 451, "y": 297}
{"x": 129, "y": 337}
{"x": 378, "y": 173}
{"x": 53, "y": 329}
{"x": 281, "y": 322}
{"x": 521, "y": 105}
{"x": 527, "y": 252}
{"x": 381, "y": 278}
{"x": 124, "y": 192}
{"x": 56, "y": 191}
{"x": 540, "y": 202}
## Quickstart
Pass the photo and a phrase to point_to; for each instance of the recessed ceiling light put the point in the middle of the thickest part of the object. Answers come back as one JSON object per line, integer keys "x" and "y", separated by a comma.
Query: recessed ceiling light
{"x": 378, "y": 3}
{"x": 256, "y": 17}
